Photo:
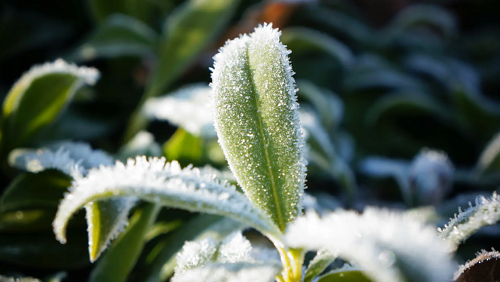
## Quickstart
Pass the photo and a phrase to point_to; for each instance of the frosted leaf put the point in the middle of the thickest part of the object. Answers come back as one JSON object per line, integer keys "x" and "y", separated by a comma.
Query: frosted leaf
{"x": 482, "y": 268}
{"x": 42, "y": 159}
{"x": 88, "y": 75}
{"x": 235, "y": 248}
{"x": 255, "y": 116}
{"x": 261, "y": 253}
{"x": 318, "y": 264}
{"x": 143, "y": 143}
{"x": 187, "y": 107}
{"x": 72, "y": 158}
{"x": 157, "y": 181}
{"x": 485, "y": 212}
{"x": 374, "y": 241}
{"x": 196, "y": 253}
{"x": 231, "y": 272}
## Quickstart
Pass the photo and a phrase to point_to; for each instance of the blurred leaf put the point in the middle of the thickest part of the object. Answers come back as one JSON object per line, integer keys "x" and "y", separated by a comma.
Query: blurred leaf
{"x": 37, "y": 99}
{"x": 28, "y": 190}
{"x": 183, "y": 146}
{"x": 422, "y": 15}
{"x": 329, "y": 106}
{"x": 75, "y": 126}
{"x": 103, "y": 9}
{"x": 142, "y": 144}
{"x": 42, "y": 251}
{"x": 23, "y": 279}
{"x": 489, "y": 161}
{"x": 318, "y": 264}
{"x": 344, "y": 276}
{"x": 118, "y": 261}
{"x": 408, "y": 102}
{"x": 119, "y": 35}
{"x": 161, "y": 266}
{"x": 189, "y": 30}
{"x": 380, "y": 78}
{"x": 27, "y": 220}
{"x": 300, "y": 39}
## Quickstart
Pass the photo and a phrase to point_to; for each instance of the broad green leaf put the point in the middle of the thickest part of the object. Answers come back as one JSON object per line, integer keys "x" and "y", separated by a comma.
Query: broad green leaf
{"x": 329, "y": 106}
{"x": 183, "y": 146}
{"x": 40, "y": 250}
{"x": 231, "y": 272}
{"x": 189, "y": 30}
{"x": 485, "y": 212}
{"x": 118, "y": 36}
{"x": 407, "y": 103}
{"x": 318, "y": 264}
{"x": 44, "y": 189}
{"x": 163, "y": 183}
{"x": 200, "y": 227}
{"x": 300, "y": 39}
{"x": 38, "y": 98}
{"x": 255, "y": 115}
{"x": 346, "y": 275}
{"x": 489, "y": 161}
{"x": 118, "y": 261}
{"x": 388, "y": 246}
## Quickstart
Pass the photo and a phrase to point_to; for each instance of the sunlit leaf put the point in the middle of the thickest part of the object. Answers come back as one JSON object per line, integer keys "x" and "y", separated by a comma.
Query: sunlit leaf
{"x": 38, "y": 97}
{"x": 253, "y": 91}
{"x": 183, "y": 146}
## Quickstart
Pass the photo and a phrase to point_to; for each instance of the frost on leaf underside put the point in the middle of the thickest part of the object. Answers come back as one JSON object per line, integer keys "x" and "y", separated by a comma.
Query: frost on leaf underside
{"x": 485, "y": 212}
{"x": 187, "y": 107}
{"x": 255, "y": 115}
{"x": 231, "y": 272}
{"x": 157, "y": 181}
{"x": 389, "y": 246}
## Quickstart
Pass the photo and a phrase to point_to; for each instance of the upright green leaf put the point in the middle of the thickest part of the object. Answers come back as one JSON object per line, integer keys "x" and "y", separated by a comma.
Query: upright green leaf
{"x": 255, "y": 111}
{"x": 318, "y": 264}
{"x": 38, "y": 98}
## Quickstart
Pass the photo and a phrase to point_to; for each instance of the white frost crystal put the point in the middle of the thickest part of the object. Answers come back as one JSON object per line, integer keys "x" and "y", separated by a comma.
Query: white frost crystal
{"x": 485, "y": 212}
{"x": 379, "y": 242}
{"x": 231, "y": 272}
{"x": 255, "y": 115}
{"x": 187, "y": 107}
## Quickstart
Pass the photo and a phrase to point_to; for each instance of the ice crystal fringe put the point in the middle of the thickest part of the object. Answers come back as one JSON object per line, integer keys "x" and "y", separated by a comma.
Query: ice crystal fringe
{"x": 231, "y": 272}
{"x": 255, "y": 116}
{"x": 378, "y": 241}
{"x": 187, "y": 107}
{"x": 477, "y": 266}
{"x": 485, "y": 212}
{"x": 164, "y": 183}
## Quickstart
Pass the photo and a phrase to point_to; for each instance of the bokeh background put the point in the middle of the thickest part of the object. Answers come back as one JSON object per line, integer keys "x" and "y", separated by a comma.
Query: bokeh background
{"x": 403, "y": 100}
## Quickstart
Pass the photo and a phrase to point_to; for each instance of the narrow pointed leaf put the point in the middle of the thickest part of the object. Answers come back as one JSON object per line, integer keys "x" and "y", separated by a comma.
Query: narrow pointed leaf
{"x": 231, "y": 272}
{"x": 165, "y": 184}
{"x": 485, "y": 212}
{"x": 118, "y": 261}
{"x": 254, "y": 107}
{"x": 38, "y": 98}
{"x": 319, "y": 263}
{"x": 118, "y": 36}
{"x": 489, "y": 161}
